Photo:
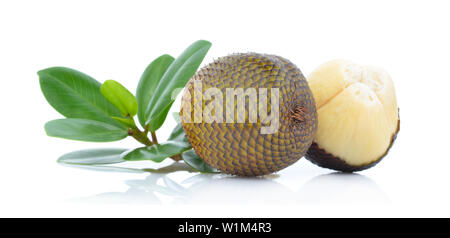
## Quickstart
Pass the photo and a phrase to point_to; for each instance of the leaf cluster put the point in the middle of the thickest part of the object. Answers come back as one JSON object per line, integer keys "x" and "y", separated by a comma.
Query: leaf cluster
{"x": 105, "y": 112}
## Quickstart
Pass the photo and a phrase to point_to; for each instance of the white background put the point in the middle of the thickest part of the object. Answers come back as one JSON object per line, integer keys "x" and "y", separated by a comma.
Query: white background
{"x": 117, "y": 39}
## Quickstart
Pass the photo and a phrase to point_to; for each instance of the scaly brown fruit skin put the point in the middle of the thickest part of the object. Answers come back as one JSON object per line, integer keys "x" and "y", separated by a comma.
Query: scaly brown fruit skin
{"x": 240, "y": 148}
{"x": 324, "y": 159}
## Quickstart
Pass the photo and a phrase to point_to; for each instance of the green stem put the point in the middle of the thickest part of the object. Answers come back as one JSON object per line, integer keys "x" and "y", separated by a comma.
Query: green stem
{"x": 154, "y": 139}
{"x": 139, "y": 136}
{"x": 146, "y": 130}
{"x": 176, "y": 157}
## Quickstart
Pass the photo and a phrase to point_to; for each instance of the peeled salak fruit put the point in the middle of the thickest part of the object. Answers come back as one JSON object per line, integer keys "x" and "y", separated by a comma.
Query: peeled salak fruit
{"x": 358, "y": 117}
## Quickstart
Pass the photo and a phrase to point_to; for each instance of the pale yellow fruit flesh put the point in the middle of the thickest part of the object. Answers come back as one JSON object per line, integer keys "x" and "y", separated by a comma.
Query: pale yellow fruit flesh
{"x": 357, "y": 111}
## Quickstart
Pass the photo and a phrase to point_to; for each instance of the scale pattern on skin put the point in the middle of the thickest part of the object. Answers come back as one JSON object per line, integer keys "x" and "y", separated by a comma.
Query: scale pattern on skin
{"x": 240, "y": 148}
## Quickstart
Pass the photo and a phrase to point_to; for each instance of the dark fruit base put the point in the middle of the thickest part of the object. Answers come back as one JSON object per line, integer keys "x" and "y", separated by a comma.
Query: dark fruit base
{"x": 320, "y": 157}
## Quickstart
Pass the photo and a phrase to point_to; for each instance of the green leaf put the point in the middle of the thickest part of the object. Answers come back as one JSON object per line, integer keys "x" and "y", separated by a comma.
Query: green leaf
{"x": 178, "y": 134}
{"x": 76, "y": 95}
{"x": 93, "y": 157}
{"x": 176, "y": 116}
{"x": 157, "y": 153}
{"x": 120, "y": 97}
{"x": 193, "y": 160}
{"x": 85, "y": 130}
{"x": 128, "y": 122}
{"x": 106, "y": 168}
{"x": 176, "y": 76}
{"x": 148, "y": 83}
{"x": 160, "y": 119}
